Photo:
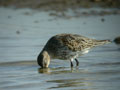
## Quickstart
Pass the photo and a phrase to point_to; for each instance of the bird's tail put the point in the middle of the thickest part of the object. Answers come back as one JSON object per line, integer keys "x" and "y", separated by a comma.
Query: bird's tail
{"x": 117, "y": 40}
{"x": 101, "y": 42}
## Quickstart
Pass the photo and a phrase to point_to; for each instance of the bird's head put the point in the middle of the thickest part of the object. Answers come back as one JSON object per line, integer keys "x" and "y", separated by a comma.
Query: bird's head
{"x": 43, "y": 59}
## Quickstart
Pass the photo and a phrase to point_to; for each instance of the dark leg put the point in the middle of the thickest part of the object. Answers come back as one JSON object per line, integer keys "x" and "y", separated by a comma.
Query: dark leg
{"x": 77, "y": 62}
{"x": 71, "y": 62}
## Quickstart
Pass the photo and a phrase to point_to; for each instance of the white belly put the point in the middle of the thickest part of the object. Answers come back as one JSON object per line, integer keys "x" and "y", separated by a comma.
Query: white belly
{"x": 68, "y": 54}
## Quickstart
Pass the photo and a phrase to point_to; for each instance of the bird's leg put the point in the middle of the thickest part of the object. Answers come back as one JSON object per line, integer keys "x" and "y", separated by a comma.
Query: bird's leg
{"x": 71, "y": 64}
{"x": 77, "y": 62}
{"x": 71, "y": 61}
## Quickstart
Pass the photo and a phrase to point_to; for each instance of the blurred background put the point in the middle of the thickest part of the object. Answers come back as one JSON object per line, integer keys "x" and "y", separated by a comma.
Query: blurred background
{"x": 26, "y": 26}
{"x": 60, "y": 7}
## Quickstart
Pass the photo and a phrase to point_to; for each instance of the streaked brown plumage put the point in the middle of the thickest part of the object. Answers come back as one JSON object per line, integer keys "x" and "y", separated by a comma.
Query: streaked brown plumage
{"x": 67, "y": 47}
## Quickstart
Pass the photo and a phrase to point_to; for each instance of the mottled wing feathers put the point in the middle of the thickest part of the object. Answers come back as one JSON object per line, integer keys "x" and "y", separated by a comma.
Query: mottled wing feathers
{"x": 76, "y": 42}
{"x": 73, "y": 42}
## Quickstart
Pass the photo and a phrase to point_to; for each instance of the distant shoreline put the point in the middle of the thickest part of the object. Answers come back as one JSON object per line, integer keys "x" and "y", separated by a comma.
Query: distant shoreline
{"x": 60, "y": 4}
{"x": 58, "y": 8}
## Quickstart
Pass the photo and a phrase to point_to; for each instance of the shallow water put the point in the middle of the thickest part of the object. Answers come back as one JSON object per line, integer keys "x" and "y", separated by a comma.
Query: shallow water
{"x": 22, "y": 38}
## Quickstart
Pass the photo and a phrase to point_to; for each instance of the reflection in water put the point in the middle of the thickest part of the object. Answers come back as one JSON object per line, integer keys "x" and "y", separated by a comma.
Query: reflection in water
{"x": 83, "y": 79}
{"x": 97, "y": 76}
{"x": 68, "y": 82}
{"x": 58, "y": 70}
{"x": 44, "y": 70}
{"x": 82, "y": 82}
{"x": 53, "y": 70}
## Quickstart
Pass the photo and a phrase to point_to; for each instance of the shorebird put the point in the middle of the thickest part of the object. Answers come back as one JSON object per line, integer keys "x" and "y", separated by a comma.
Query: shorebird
{"x": 67, "y": 47}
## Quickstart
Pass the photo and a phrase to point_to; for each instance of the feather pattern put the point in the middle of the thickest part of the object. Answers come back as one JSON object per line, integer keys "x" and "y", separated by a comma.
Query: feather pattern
{"x": 67, "y": 46}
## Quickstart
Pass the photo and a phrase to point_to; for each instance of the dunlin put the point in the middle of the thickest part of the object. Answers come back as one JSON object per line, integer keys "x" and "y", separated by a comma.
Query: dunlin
{"x": 67, "y": 47}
